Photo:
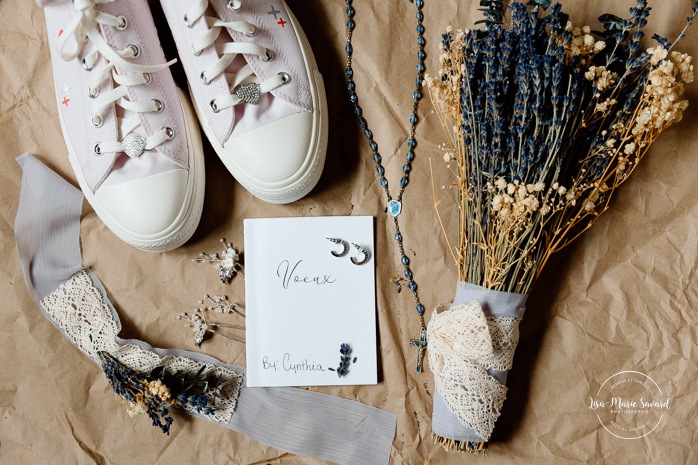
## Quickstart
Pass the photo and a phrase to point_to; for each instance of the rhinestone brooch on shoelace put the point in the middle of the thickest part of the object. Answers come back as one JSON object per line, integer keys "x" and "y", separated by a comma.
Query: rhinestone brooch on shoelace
{"x": 249, "y": 93}
{"x": 134, "y": 145}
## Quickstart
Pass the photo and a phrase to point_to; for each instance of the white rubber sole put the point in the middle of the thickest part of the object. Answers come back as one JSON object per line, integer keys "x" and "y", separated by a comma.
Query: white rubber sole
{"x": 187, "y": 220}
{"x": 308, "y": 177}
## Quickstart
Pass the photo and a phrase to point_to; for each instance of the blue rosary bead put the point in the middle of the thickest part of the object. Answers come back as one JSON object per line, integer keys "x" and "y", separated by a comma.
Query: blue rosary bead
{"x": 413, "y": 119}
{"x": 418, "y": 81}
{"x": 411, "y": 142}
{"x": 418, "y": 3}
{"x": 353, "y": 98}
{"x": 410, "y": 155}
{"x": 398, "y": 237}
{"x": 351, "y": 85}
{"x": 377, "y": 158}
{"x": 368, "y": 134}
{"x": 421, "y": 55}
{"x": 362, "y": 122}
{"x": 420, "y": 16}
{"x": 348, "y": 2}
{"x": 348, "y": 49}
{"x": 406, "y": 168}
{"x": 349, "y": 73}
{"x": 420, "y": 309}
{"x": 408, "y": 273}
{"x": 350, "y": 11}
{"x": 420, "y": 29}
{"x": 357, "y": 109}
{"x": 421, "y": 41}
{"x": 350, "y": 25}
{"x": 380, "y": 170}
{"x": 384, "y": 182}
{"x": 417, "y": 95}
{"x": 404, "y": 181}
{"x": 373, "y": 146}
{"x": 412, "y": 285}
{"x": 420, "y": 68}
{"x": 405, "y": 260}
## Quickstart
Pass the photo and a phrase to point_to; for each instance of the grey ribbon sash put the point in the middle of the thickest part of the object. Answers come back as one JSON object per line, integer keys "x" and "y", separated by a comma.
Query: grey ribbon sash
{"x": 47, "y": 232}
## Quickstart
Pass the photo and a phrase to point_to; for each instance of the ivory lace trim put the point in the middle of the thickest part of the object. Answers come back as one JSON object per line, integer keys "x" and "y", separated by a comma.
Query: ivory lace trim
{"x": 463, "y": 345}
{"x": 77, "y": 308}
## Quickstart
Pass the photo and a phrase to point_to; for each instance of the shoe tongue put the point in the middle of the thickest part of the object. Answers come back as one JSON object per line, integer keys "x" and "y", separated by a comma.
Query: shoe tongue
{"x": 121, "y": 113}
{"x": 269, "y": 108}
{"x": 173, "y": 154}
{"x": 274, "y": 30}
{"x": 125, "y": 168}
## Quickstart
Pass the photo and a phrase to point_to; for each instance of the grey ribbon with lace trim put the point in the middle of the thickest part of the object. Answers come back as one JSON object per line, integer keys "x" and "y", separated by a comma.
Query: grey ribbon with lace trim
{"x": 471, "y": 347}
{"x": 47, "y": 231}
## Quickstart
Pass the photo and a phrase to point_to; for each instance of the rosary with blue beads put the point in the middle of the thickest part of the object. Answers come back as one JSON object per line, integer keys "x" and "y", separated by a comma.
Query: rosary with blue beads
{"x": 394, "y": 206}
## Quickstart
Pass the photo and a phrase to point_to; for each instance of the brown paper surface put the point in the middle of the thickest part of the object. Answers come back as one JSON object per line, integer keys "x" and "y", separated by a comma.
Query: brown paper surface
{"x": 621, "y": 298}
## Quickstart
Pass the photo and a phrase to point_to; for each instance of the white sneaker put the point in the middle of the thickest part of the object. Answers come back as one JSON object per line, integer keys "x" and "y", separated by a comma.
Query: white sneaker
{"x": 132, "y": 136}
{"x": 257, "y": 91}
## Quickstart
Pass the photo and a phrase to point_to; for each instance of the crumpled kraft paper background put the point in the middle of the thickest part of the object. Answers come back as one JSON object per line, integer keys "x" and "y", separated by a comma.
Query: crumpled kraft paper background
{"x": 621, "y": 298}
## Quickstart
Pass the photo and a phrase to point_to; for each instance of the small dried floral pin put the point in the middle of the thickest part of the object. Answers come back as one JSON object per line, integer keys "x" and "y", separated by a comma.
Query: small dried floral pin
{"x": 344, "y": 360}
{"x": 201, "y": 325}
{"x": 228, "y": 264}
{"x": 221, "y": 304}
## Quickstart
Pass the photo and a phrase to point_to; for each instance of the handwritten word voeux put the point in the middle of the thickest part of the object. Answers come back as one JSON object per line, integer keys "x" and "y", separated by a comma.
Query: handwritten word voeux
{"x": 292, "y": 275}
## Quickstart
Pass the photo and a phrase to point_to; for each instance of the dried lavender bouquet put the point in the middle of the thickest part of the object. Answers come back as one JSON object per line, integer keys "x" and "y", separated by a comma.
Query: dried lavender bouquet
{"x": 545, "y": 121}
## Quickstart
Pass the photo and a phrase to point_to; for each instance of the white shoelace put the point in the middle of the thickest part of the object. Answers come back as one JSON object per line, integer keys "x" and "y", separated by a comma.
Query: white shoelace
{"x": 84, "y": 28}
{"x": 244, "y": 85}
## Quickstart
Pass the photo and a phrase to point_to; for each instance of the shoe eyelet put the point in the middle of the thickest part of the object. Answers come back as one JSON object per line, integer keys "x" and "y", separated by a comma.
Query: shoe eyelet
{"x": 97, "y": 150}
{"x": 159, "y": 106}
{"x": 135, "y": 49}
{"x": 169, "y": 132}
{"x": 148, "y": 78}
{"x": 285, "y": 78}
{"x": 253, "y": 33}
{"x": 187, "y": 23}
{"x": 232, "y": 7}
{"x": 84, "y": 65}
{"x": 97, "y": 121}
{"x": 123, "y": 24}
{"x": 214, "y": 107}
{"x": 194, "y": 52}
{"x": 268, "y": 56}
{"x": 203, "y": 78}
{"x": 92, "y": 93}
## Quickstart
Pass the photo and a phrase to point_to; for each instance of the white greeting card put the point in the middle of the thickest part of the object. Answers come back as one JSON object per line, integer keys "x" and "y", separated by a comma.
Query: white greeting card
{"x": 302, "y": 303}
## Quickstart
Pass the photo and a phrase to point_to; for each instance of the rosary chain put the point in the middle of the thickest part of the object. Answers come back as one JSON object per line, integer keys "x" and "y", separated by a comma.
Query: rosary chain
{"x": 411, "y": 141}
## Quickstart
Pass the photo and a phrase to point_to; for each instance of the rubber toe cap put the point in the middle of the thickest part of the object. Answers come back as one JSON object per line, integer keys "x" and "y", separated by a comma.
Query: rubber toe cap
{"x": 275, "y": 154}
{"x": 147, "y": 206}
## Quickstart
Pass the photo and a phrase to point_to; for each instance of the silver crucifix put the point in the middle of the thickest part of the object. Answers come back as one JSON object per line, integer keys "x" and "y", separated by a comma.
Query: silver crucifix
{"x": 421, "y": 344}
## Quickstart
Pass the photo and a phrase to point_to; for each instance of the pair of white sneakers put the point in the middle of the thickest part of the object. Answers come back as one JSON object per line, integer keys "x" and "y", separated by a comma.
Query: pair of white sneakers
{"x": 132, "y": 136}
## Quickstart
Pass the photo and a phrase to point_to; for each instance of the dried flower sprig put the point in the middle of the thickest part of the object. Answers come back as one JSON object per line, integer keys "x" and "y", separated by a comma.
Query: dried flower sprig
{"x": 344, "y": 360}
{"x": 201, "y": 325}
{"x": 157, "y": 392}
{"x": 228, "y": 264}
{"x": 545, "y": 120}
{"x": 221, "y": 304}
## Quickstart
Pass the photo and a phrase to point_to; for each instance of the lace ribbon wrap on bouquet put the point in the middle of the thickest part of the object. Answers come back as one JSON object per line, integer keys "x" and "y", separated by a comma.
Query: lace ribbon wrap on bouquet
{"x": 471, "y": 348}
